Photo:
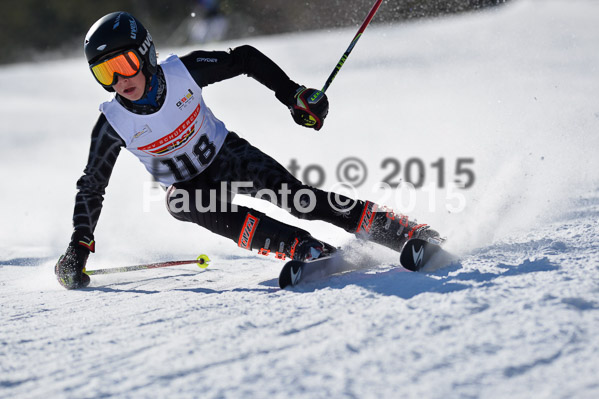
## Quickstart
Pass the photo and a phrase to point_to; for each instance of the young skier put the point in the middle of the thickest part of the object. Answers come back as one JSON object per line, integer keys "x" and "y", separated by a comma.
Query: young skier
{"x": 158, "y": 114}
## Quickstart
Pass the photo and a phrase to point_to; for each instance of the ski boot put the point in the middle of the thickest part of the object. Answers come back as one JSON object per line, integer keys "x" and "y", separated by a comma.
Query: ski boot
{"x": 286, "y": 242}
{"x": 383, "y": 226}
{"x": 311, "y": 249}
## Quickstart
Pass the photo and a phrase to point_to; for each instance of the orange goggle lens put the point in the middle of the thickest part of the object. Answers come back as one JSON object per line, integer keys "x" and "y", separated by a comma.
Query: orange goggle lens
{"x": 125, "y": 64}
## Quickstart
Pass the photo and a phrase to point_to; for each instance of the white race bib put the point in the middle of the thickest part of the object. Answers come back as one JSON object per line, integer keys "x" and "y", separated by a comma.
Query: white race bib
{"x": 180, "y": 140}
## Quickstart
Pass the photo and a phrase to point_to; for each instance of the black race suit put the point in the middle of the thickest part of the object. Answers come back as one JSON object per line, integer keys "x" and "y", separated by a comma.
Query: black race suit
{"x": 237, "y": 161}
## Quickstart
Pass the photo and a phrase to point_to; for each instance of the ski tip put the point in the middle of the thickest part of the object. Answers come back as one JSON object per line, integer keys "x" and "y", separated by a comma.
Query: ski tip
{"x": 416, "y": 253}
{"x": 290, "y": 274}
{"x": 422, "y": 255}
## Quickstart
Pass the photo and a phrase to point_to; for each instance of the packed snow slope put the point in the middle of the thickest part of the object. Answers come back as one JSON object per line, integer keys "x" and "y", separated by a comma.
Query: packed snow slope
{"x": 505, "y": 101}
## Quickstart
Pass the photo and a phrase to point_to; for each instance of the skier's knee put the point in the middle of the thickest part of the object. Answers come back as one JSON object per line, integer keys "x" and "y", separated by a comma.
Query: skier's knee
{"x": 178, "y": 203}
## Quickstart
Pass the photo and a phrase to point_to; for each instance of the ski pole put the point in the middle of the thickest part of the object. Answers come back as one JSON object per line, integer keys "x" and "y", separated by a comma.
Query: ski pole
{"x": 201, "y": 261}
{"x": 369, "y": 17}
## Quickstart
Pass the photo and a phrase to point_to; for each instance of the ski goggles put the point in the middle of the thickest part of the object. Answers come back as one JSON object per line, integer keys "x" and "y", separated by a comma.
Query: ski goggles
{"x": 126, "y": 64}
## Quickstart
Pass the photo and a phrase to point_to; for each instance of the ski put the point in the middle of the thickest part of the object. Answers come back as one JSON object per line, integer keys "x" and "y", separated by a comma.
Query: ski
{"x": 296, "y": 271}
{"x": 418, "y": 254}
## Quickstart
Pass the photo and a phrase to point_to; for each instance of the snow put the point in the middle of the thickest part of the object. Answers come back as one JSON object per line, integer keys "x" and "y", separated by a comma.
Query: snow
{"x": 514, "y": 88}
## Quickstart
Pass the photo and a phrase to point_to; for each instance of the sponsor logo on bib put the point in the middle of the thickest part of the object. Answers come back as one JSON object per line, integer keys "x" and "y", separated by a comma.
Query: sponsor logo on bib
{"x": 178, "y": 138}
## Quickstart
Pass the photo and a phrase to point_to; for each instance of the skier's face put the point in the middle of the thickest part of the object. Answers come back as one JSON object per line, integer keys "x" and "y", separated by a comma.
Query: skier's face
{"x": 131, "y": 88}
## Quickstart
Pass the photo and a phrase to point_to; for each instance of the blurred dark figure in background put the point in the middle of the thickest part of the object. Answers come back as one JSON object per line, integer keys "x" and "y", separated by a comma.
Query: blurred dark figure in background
{"x": 211, "y": 25}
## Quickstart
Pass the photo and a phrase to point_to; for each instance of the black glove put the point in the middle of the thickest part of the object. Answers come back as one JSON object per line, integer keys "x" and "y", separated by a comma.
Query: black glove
{"x": 70, "y": 267}
{"x": 309, "y": 107}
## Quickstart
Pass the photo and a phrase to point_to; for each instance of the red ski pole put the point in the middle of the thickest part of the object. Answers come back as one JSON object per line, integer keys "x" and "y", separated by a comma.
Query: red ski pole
{"x": 369, "y": 17}
{"x": 201, "y": 261}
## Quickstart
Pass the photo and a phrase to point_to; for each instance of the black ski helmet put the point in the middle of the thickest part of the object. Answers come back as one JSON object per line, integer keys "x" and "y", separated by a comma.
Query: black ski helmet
{"x": 120, "y": 31}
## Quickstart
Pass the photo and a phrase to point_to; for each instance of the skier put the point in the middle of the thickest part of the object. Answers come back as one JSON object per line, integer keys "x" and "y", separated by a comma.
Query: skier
{"x": 211, "y": 26}
{"x": 158, "y": 114}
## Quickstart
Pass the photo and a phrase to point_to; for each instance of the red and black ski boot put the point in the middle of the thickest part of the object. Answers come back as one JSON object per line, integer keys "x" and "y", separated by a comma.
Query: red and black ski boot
{"x": 383, "y": 226}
